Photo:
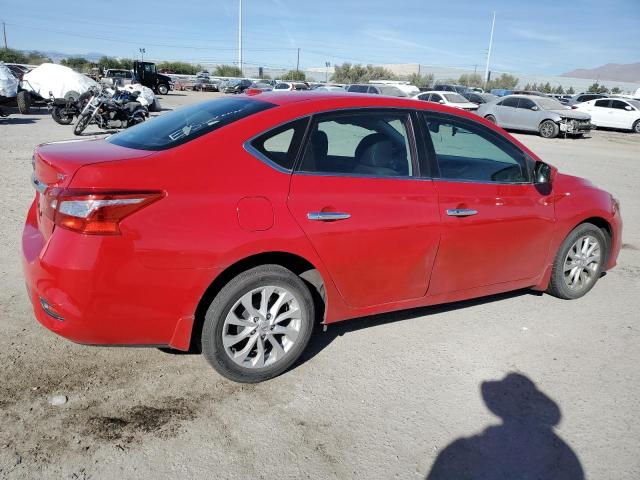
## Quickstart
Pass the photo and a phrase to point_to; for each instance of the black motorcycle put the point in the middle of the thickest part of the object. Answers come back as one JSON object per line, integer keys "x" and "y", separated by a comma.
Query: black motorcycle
{"x": 109, "y": 111}
{"x": 65, "y": 110}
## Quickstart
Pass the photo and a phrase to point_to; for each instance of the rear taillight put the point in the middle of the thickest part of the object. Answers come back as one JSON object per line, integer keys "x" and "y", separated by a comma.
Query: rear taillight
{"x": 93, "y": 212}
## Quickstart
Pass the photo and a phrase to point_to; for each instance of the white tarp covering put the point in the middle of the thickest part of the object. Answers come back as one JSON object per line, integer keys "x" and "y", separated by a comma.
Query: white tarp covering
{"x": 8, "y": 83}
{"x": 57, "y": 79}
{"x": 146, "y": 98}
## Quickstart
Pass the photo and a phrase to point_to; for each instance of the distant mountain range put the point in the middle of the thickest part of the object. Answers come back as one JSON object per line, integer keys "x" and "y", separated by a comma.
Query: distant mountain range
{"x": 57, "y": 56}
{"x": 628, "y": 72}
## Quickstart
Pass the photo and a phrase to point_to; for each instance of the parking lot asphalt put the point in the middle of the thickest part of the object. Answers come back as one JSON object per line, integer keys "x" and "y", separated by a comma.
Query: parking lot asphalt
{"x": 487, "y": 384}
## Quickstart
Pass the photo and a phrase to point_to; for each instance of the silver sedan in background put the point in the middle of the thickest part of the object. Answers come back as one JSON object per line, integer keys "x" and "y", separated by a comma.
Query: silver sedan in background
{"x": 544, "y": 115}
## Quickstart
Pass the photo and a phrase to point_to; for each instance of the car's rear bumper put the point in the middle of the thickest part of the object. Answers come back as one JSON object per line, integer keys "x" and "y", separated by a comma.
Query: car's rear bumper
{"x": 94, "y": 290}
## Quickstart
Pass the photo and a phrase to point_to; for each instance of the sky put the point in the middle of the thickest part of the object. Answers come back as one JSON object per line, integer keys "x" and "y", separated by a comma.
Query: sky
{"x": 545, "y": 37}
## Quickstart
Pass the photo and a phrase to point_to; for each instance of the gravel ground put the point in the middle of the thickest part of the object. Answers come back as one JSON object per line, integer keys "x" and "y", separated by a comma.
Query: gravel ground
{"x": 375, "y": 398}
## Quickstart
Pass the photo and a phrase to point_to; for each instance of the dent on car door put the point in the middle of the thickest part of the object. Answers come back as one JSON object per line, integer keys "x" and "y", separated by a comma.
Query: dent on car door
{"x": 357, "y": 197}
{"x": 497, "y": 225}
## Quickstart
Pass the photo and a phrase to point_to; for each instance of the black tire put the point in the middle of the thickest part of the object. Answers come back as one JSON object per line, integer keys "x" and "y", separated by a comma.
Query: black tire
{"x": 163, "y": 89}
{"x": 490, "y": 118}
{"x": 636, "y": 127}
{"x": 59, "y": 117}
{"x": 548, "y": 129}
{"x": 24, "y": 102}
{"x": 81, "y": 124}
{"x": 557, "y": 285}
{"x": 214, "y": 323}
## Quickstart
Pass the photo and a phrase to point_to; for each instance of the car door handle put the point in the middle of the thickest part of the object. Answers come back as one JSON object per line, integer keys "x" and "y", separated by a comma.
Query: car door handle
{"x": 461, "y": 212}
{"x": 328, "y": 216}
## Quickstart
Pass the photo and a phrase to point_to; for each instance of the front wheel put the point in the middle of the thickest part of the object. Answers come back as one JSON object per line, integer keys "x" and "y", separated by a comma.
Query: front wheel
{"x": 636, "y": 127}
{"x": 258, "y": 325}
{"x": 163, "y": 89}
{"x": 579, "y": 262}
{"x": 59, "y": 117}
{"x": 549, "y": 129}
{"x": 490, "y": 118}
{"x": 81, "y": 124}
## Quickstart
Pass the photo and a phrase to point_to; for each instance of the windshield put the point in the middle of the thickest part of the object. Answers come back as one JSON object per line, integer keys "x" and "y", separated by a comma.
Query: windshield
{"x": 635, "y": 103}
{"x": 185, "y": 124}
{"x": 550, "y": 104}
{"x": 455, "y": 98}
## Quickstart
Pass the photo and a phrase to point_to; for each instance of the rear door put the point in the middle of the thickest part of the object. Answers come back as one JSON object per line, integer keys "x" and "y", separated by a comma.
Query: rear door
{"x": 358, "y": 197}
{"x": 497, "y": 225}
{"x": 506, "y": 112}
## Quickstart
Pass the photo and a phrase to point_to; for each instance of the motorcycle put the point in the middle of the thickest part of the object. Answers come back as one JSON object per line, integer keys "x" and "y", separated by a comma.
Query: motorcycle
{"x": 64, "y": 110}
{"x": 111, "y": 110}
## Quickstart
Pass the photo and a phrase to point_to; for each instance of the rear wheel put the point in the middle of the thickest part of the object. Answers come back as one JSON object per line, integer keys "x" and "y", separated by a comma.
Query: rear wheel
{"x": 549, "y": 129}
{"x": 81, "y": 124}
{"x": 24, "y": 102}
{"x": 636, "y": 126}
{"x": 258, "y": 325}
{"x": 490, "y": 118}
{"x": 59, "y": 117}
{"x": 579, "y": 262}
{"x": 163, "y": 89}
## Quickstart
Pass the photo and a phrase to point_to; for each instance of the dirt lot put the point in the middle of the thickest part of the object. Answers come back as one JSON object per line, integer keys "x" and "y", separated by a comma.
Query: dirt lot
{"x": 376, "y": 398}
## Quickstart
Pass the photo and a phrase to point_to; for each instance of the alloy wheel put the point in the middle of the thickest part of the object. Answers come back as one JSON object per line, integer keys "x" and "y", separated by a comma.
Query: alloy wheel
{"x": 262, "y": 327}
{"x": 581, "y": 265}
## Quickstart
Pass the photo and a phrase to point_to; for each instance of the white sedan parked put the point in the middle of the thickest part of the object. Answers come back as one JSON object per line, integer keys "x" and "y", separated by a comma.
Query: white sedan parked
{"x": 452, "y": 99}
{"x": 613, "y": 112}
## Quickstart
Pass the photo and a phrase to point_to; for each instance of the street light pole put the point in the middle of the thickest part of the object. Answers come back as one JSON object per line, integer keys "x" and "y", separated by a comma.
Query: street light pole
{"x": 326, "y": 77}
{"x": 486, "y": 70}
{"x": 142, "y": 52}
{"x": 240, "y": 36}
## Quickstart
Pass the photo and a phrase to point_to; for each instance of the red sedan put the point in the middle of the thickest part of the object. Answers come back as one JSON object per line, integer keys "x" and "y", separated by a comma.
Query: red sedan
{"x": 235, "y": 224}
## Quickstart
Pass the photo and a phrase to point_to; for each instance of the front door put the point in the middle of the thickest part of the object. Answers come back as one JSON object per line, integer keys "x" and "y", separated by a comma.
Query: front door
{"x": 359, "y": 200}
{"x": 497, "y": 225}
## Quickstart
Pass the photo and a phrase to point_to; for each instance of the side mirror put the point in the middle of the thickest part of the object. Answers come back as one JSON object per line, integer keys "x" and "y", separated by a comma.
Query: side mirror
{"x": 544, "y": 173}
{"x": 535, "y": 108}
{"x": 441, "y": 101}
{"x": 628, "y": 108}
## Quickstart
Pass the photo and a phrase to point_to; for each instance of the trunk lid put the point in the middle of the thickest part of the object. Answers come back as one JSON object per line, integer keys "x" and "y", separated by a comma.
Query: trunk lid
{"x": 54, "y": 165}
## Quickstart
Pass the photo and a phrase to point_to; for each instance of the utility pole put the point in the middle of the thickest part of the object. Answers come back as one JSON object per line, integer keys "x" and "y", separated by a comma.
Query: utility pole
{"x": 326, "y": 76}
{"x": 240, "y": 37}
{"x": 142, "y": 51}
{"x": 4, "y": 31}
{"x": 298, "y": 61}
{"x": 486, "y": 70}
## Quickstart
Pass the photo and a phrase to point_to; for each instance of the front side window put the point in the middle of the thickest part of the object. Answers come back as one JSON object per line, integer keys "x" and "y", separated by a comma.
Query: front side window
{"x": 467, "y": 151}
{"x": 435, "y": 97}
{"x": 367, "y": 144}
{"x": 620, "y": 105}
{"x": 281, "y": 144}
{"x": 185, "y": 124}
{"x": 282, "y": 86}
{"x": 358, "y": 88}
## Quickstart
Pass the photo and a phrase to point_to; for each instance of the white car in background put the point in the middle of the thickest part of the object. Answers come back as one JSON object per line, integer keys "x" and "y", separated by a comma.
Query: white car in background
{"x": 613, "y": 112}
{"x": 451, "y": 99}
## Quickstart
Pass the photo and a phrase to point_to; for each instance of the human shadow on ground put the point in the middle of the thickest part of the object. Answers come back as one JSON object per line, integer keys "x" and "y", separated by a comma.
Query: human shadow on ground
{"x": 524, "y": 446}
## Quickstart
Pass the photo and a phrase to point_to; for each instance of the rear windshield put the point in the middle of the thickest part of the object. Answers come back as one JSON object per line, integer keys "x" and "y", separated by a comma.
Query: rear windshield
{"x": 185, "y": 124}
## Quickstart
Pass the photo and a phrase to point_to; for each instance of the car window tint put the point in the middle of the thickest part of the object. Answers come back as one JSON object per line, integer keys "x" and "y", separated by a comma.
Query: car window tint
{"x": 510, "y": 102}
{"x": 186, "y": 123}
{"x": 602, "y": 103}
{"x": 359, "y": 144}
{"x": 620, "y": 105}
{"x": 526, "y": 103}
{"x": 435, "y": 97}
{"x": 468, "y": 151}
{"x": 282, "y": 86}
{"x": 281, "y": 144}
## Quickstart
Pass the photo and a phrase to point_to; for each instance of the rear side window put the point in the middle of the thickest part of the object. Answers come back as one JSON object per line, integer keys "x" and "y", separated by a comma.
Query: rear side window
{"x": 358, "y": 88}
{"x": 363, "y": 144}
{"x": 602, "y": 103}
{"x": 281, "y": 144}
{"x": 185, "y": 124}
{"x": 468, "y": 151}
{"x": 526, "y": 103}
